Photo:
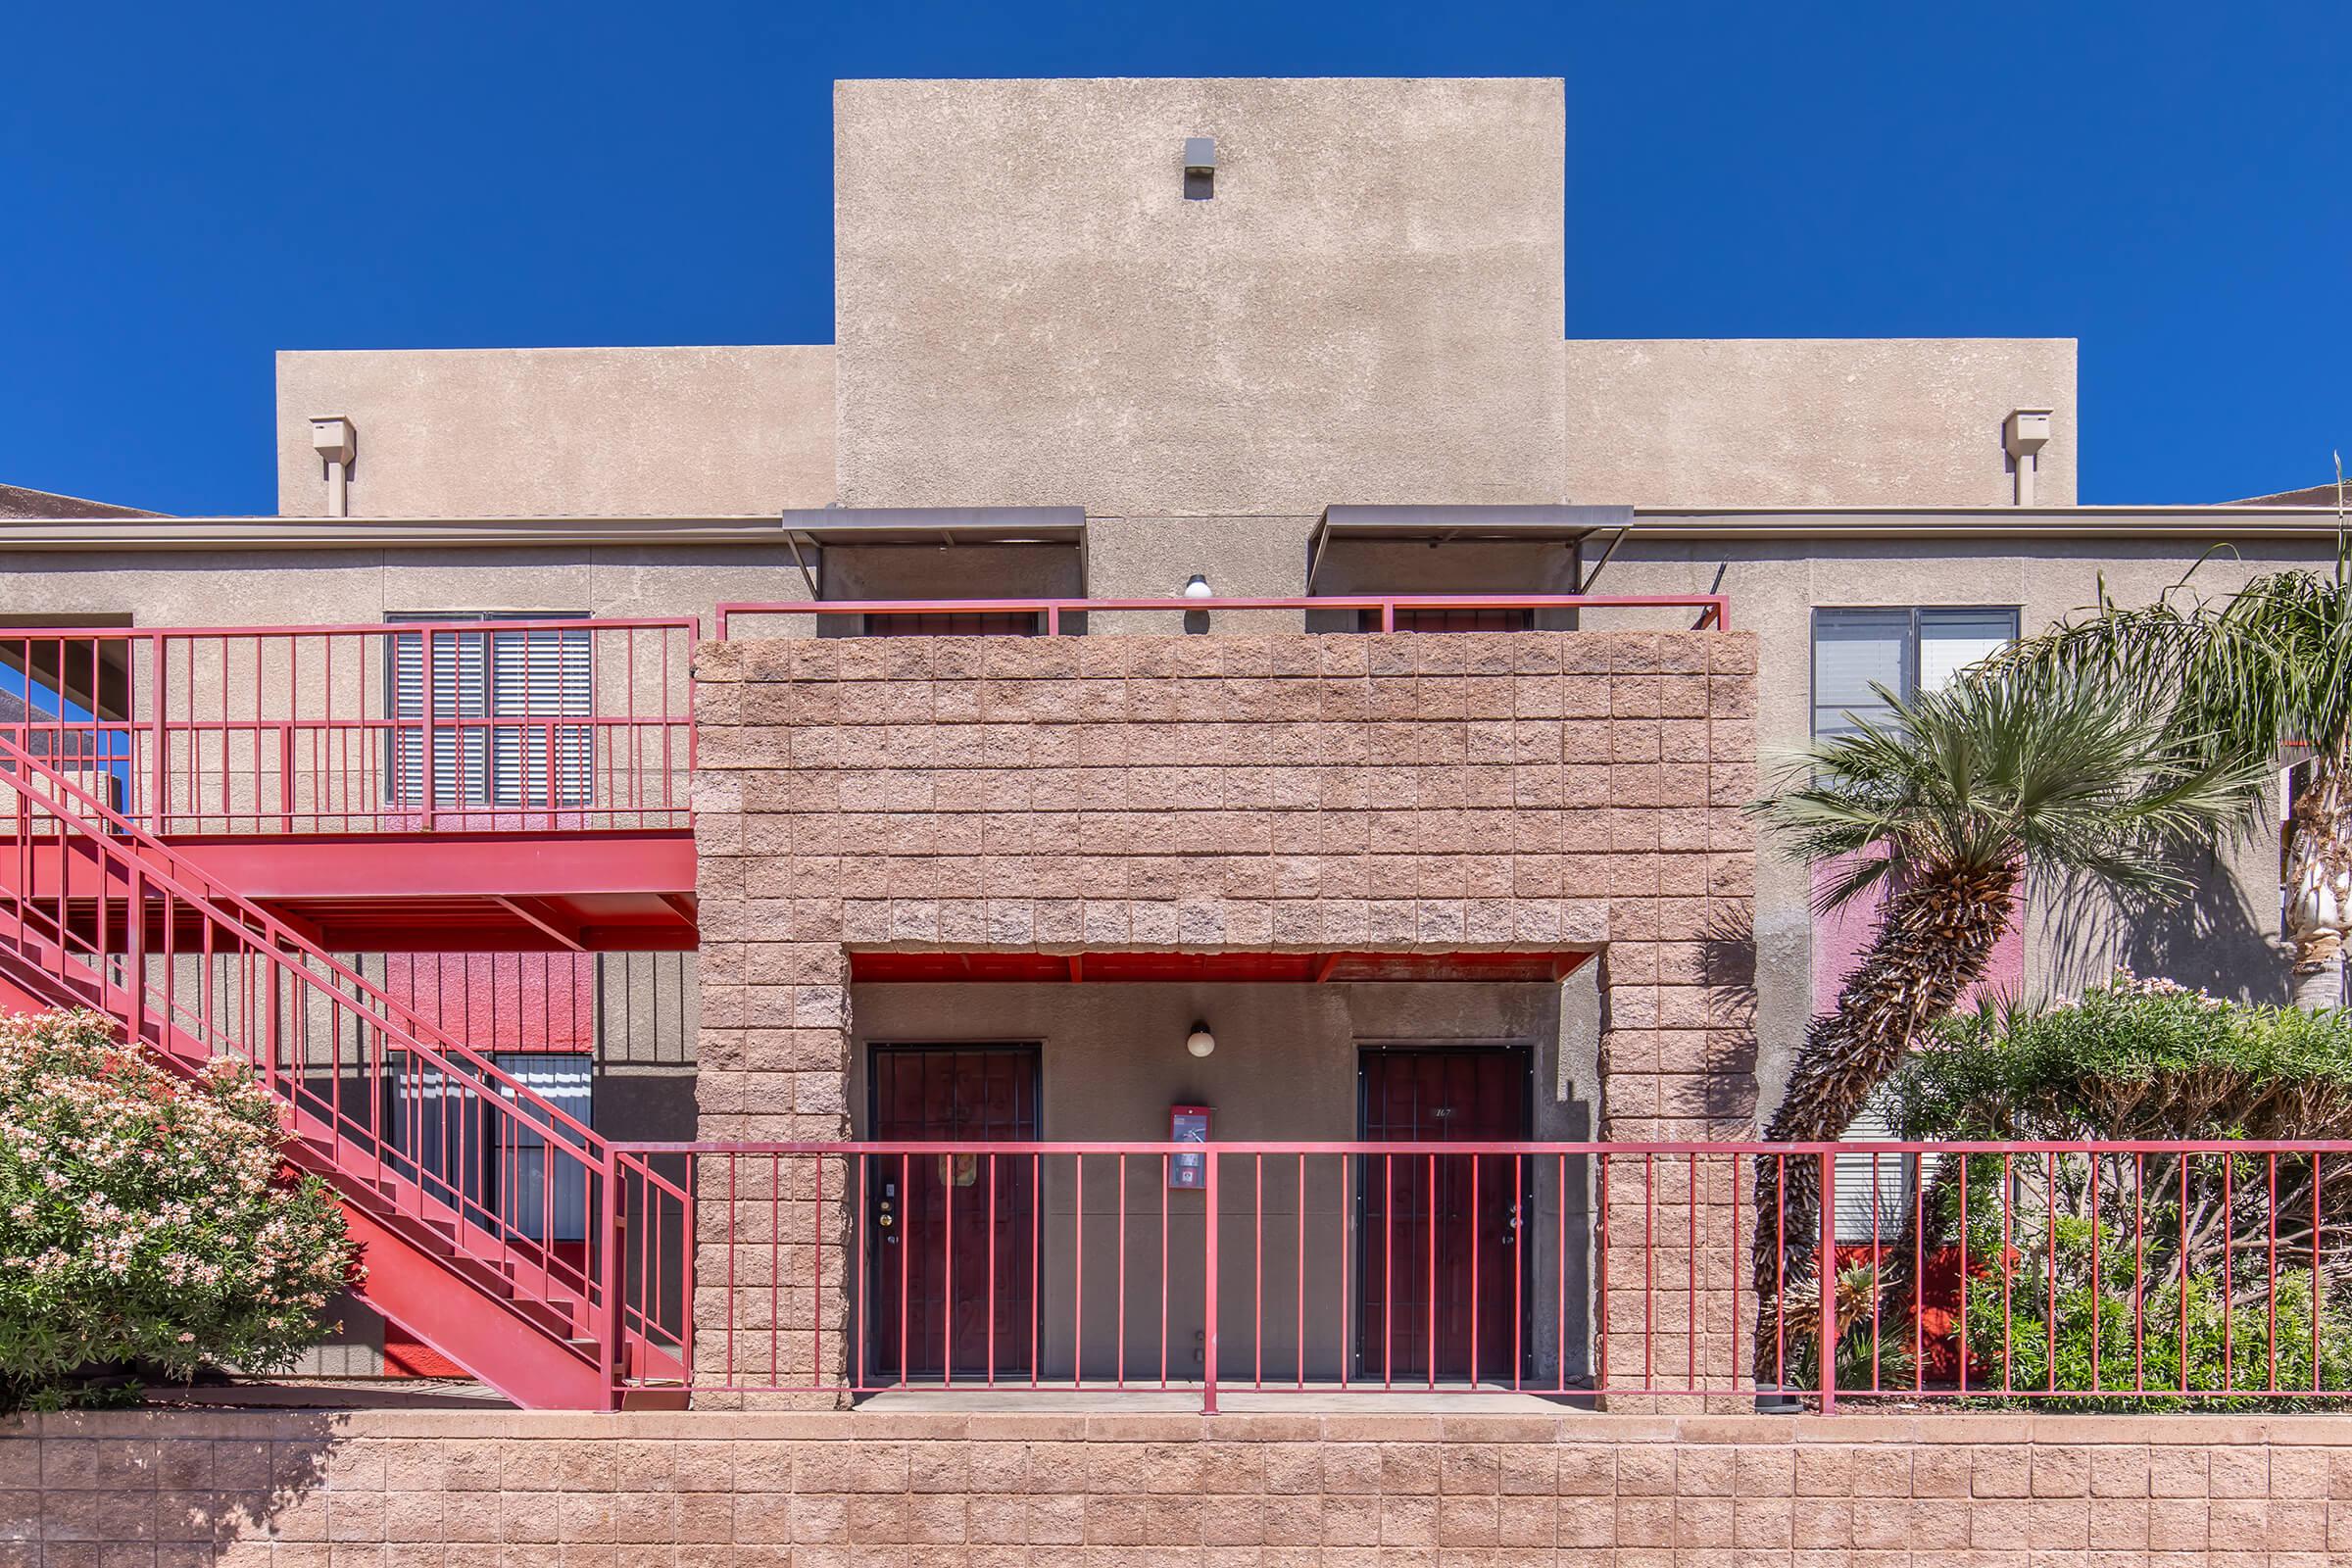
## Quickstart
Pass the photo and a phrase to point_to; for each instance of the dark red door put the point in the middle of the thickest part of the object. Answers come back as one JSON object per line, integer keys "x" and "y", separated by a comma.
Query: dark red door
{"x": 1439, "y": 1262}
{"x": 953, "y": 1271}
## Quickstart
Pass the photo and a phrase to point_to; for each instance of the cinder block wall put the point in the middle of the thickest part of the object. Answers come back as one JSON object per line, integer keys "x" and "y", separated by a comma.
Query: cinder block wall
{"x": 189, "y": 1490}
{"x": 1530, "y": 791}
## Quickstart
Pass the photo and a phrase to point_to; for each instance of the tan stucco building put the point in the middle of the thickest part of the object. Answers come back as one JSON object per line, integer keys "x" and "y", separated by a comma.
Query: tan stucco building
{"x": 1096, "y": 340}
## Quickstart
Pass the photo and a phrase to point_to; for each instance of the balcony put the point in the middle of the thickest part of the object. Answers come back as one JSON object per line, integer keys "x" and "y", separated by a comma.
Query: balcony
{"x": 501, "y": 786}
{"x": 1299, "y": 1275}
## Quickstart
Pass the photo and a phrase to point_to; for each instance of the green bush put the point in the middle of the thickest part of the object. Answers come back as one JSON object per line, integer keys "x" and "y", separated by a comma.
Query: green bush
{"x": 145, "y": 1224}
{"x": 2227, "y": 1326}
{"x": 2131, "y": 1058}
{"x": 2194, "y": 1237}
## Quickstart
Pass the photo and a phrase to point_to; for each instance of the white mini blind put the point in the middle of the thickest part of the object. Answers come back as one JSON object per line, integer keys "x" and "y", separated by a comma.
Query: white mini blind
{"x": 1868, "y": 1186}
{"x": 1951, "y": 640}
{"x": 528, "y": 675}
{"x": 544, "y": 1202}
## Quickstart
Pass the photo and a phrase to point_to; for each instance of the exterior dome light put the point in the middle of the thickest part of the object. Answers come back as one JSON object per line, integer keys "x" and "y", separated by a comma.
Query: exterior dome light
{"x": 1199, "y": 588}
{"x": 1200, "y": 1041}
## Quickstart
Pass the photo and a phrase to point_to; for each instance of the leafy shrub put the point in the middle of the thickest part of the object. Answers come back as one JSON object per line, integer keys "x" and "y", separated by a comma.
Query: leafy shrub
{"x": 2211, "y": 1243}
{"x": 144, "y": 1222}
{"x": 2054, "y": 1312}
{"x": 2131, "y": 1058}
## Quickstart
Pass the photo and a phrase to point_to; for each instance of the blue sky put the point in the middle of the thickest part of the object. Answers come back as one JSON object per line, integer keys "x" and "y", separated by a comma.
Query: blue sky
{"x": 185, "y": 188}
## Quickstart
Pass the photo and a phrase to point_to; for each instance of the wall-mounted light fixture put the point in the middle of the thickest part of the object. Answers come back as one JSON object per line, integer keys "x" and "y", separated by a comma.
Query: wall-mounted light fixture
{"x": 1197, "y": 587}
{"x": 1200, "y": 1041}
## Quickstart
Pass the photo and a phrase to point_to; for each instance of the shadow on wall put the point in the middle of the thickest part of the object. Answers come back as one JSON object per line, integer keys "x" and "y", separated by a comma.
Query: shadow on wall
{"x": 109, "y": 1485}
{"x": 2212, "y": 940}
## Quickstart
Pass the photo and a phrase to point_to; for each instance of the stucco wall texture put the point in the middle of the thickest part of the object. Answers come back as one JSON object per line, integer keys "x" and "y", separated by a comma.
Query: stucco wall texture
{"x": 655, "y": 432}
{"x": 1813, "y": 422}
{"x": 1015, "y": 1490}
{"x": 1028, "y": 309}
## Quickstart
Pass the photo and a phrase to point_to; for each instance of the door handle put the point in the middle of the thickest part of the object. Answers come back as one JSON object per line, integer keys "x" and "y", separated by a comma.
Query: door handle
{"x": 886, "y": 1214}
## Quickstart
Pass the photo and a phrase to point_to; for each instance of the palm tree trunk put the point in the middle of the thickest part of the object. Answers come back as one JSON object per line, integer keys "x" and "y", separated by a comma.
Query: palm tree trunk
{"x": 1935, "y": 942}
{"x": 2319, "y": 884}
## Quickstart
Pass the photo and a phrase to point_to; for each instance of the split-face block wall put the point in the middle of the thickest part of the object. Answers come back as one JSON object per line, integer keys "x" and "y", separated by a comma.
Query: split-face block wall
{"x": 1569, "y": 793}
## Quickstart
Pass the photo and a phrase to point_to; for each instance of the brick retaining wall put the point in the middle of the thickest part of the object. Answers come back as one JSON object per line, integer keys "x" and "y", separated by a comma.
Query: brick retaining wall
{"x": 402, "y": 1490}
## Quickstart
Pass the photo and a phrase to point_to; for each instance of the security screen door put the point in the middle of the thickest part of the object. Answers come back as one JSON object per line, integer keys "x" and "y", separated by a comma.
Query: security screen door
{"x": 951, "y": 1227}
{"x": 1439, "y": 1260}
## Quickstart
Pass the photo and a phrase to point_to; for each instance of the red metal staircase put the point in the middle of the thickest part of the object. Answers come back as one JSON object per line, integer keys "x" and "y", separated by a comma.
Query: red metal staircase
{"x": 486, "y": 1215}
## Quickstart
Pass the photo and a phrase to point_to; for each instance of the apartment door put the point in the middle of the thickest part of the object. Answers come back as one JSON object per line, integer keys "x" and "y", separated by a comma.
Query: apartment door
{"x": 1441, "y": 1264}
{"x": 952, "y": 1265}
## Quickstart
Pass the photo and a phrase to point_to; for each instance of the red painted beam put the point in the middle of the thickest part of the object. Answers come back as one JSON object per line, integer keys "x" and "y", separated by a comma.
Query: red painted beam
{"x": 1532, "y": 968}
{"x": 540, "y": 865}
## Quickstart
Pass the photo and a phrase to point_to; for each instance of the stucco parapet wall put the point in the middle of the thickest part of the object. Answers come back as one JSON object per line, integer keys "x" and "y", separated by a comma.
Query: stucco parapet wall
{"x": 595, "y": 432}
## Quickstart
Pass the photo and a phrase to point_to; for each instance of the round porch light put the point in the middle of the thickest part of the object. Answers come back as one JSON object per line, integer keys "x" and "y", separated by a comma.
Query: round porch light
{"x": 1199, "y": 588}
{"x": 1200, "y": 1041}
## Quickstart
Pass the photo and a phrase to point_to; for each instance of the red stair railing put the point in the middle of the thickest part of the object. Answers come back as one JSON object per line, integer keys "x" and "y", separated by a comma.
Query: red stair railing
{"x": 406, "y": 1121}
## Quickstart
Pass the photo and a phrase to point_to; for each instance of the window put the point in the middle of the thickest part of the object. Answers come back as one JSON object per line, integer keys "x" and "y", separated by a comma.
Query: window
{"x": 1905, "y": 650}
{"x": 485, "y": 1165}
{"x": 524, "y": 676}
{"x": 541, "y": 1194}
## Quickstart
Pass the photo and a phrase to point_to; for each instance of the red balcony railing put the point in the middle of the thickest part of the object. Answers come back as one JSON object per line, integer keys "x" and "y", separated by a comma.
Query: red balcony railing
{"x": 496, "y": 724}
{"x": 2071, "y": 1272}
{"x": 1052, "y": 617}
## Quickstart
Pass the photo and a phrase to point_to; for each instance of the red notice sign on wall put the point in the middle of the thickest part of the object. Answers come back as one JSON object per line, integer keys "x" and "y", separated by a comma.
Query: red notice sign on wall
{"x": 1188, "y": 1124}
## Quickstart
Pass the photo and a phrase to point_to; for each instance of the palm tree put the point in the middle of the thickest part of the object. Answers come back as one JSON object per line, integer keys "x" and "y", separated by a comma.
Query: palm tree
{"x": 1944, "y": 806}
{"x": 2248, "y": 679}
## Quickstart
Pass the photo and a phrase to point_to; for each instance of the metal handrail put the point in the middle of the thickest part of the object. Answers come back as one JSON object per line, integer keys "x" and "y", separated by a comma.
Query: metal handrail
{"x": 1714, "y": 608}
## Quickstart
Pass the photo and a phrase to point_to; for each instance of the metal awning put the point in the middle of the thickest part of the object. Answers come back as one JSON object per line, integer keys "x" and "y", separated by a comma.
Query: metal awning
{"x": 936, "y": 525}
{"x": 820, "y": 526}
{"x": 1444, "y": 524}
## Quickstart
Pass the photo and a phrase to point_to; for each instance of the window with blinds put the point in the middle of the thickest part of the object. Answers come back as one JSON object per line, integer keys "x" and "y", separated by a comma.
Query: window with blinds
{"x": 1905, "y": 650}
{"x": 480, "y": 712}
{"x": 485, "y": 1164}
{"x": 542, "y": 1189}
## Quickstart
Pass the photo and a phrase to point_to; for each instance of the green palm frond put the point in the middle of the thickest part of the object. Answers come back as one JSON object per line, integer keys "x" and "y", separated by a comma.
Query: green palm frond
{"x": 2235, "y": 676}
{"x": 2056, "y": 769}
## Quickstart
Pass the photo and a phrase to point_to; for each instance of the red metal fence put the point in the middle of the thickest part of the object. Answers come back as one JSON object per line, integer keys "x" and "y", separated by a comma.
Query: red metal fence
{"x": 2031, "y": 1272}
{"x": 1052, "y": 618}
{"x": 521, "y": 724}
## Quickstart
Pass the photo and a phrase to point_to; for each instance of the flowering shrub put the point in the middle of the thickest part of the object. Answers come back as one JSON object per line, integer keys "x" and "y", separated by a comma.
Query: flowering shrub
{"x": 143, "y": 1219}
